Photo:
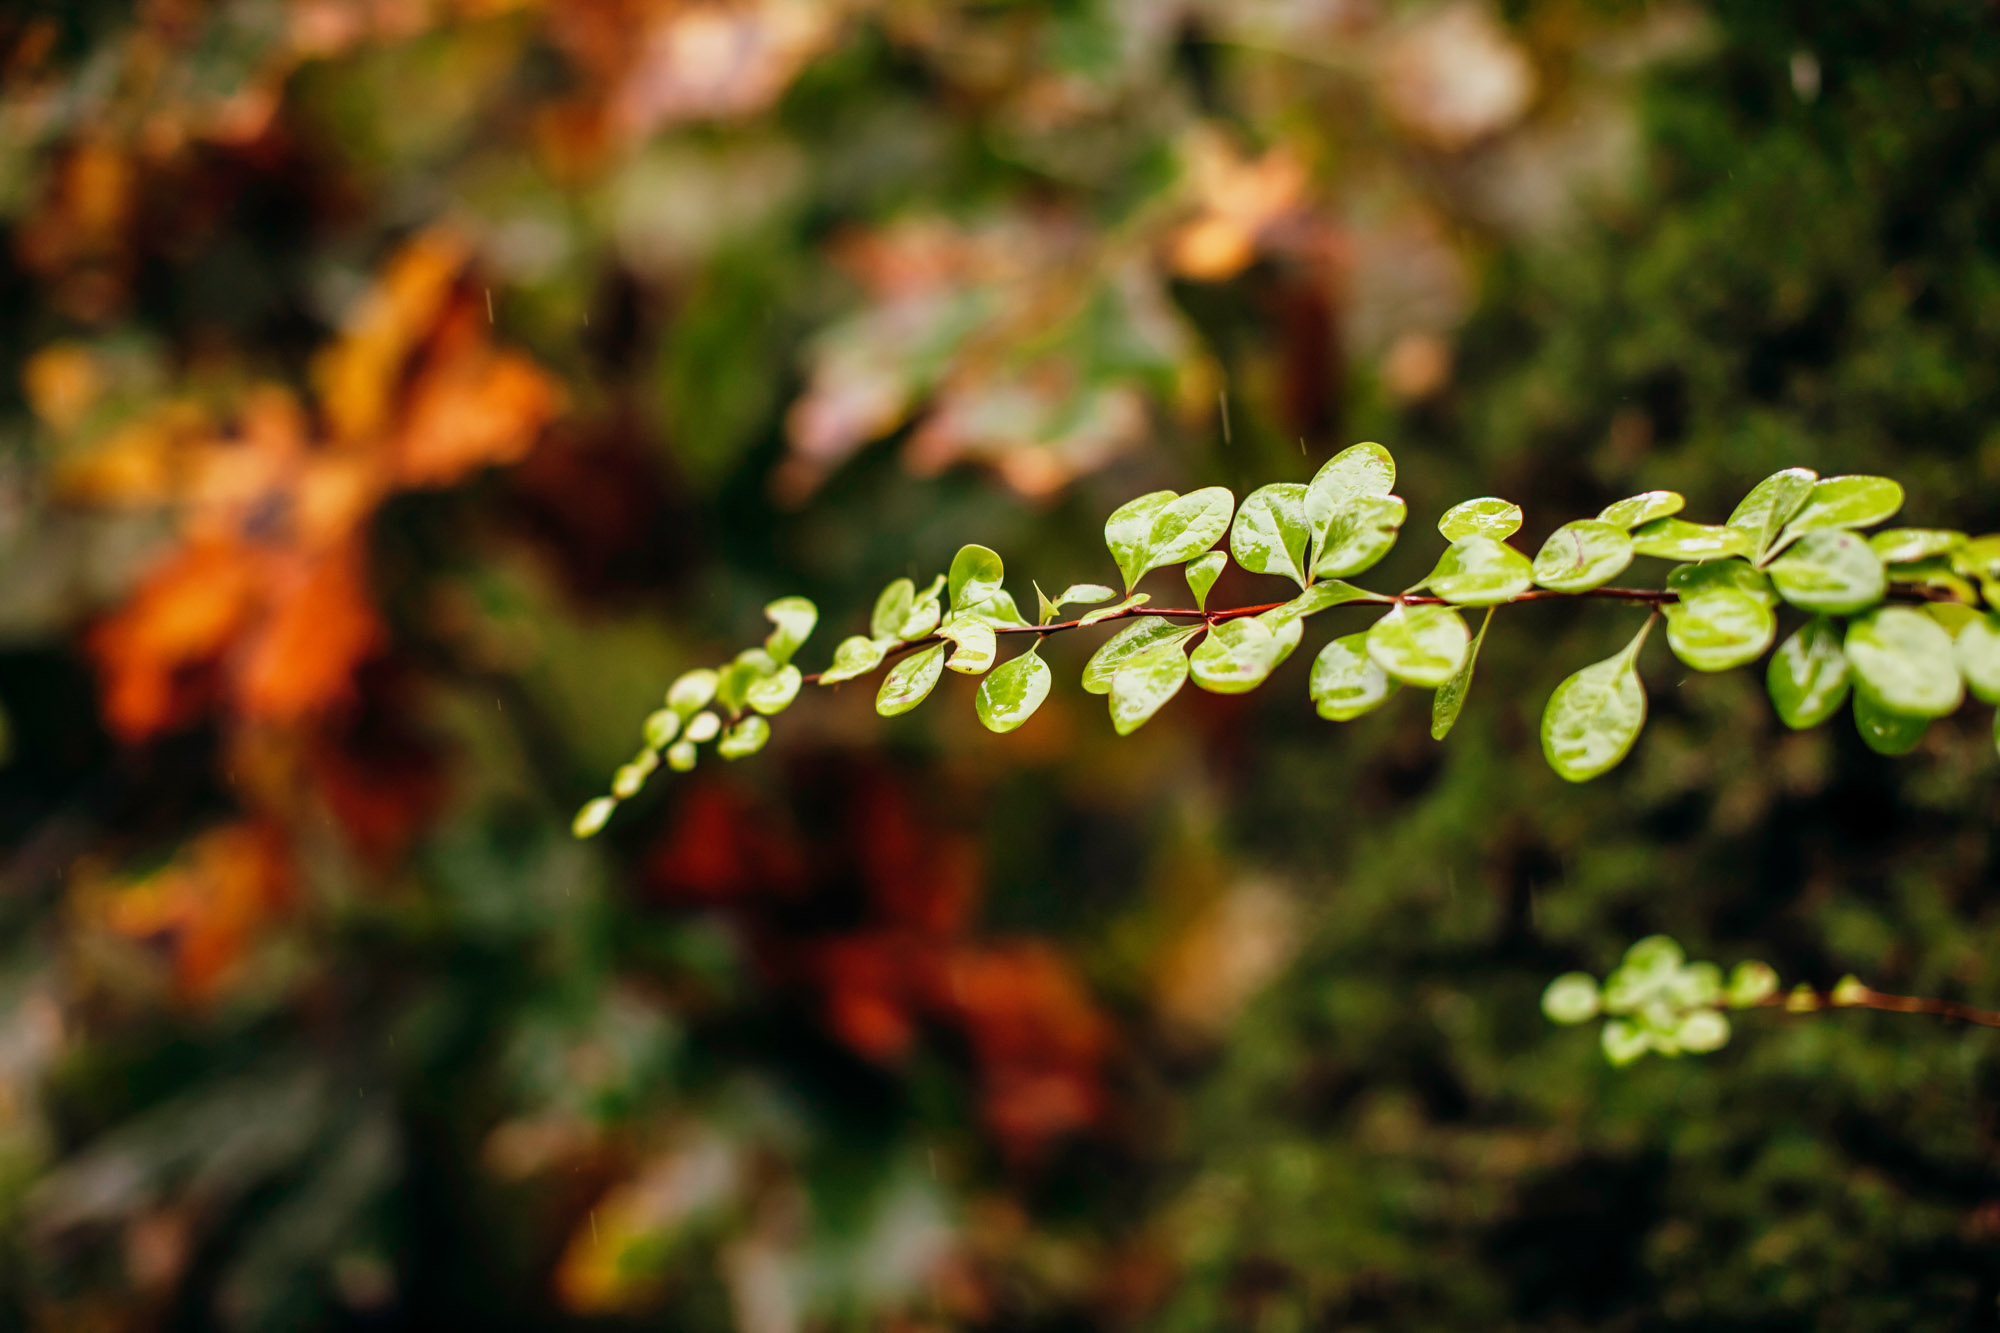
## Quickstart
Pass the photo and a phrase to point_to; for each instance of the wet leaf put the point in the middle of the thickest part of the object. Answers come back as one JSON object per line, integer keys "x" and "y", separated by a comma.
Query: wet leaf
{"x": 1720, "y": 629}
{"x": 1121, "y": 647}
{"x": 1673, "y": 539}
{"x": 1239, "y": 655}
{"x": 749, "y": 735}
{"x": 1202, "y": 572}
{"x": 1450, "y": 698}
{"x": 976, "y": 574}
{"x": 1977, "y": 647}
{"x": 1770, "y": 505}
{"x": 1145, "y": 682}
{"x": 977, "y": 645}
{"x": 1887, "y": 732}
{"x": 1594, "y": 717}
{"x": 1346, "y": 682}
{"x": 1903, "y": 660}
{"x": 1808, "y": 678}
{"x": 1583, "y": 555}
{"x": 1011, "y": 694}
{"x": 856, "y": 656}
{"x": 1830, "y": 572}
{"x": 774, "y": 693}
{"x": 1480, "y": 571}
{"x": 1271, "y": 534}
{"x": 1420, "y": 645}
{"x": 1846, "y": 502}
{"x": 910, "y": 681}
{"x": 1629, "y": 513}
{"x": 1488, "y": 516}
{"x": 1357, "y": 534}
{"x": 1106, "y": 612}
{"x": 1902, "y": 546}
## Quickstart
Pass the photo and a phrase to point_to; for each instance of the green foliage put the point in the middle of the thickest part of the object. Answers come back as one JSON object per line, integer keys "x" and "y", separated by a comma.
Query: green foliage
{"x": 1657, "y": 1001}
{"x": 1789, "y": 542}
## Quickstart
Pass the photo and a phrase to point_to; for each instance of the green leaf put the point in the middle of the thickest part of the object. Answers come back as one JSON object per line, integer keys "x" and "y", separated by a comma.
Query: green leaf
{"x": 625, "y": 783}
{"x": 976, "y": 574}
{"x": 1902, "y": 546}
{"x": 1361, "y": 471}
{"x": 1594, "y": 717}
{"x": 1320, "y": 596}
{"x": 924, "y": 614}
{"x": 1977, "y": 648}
{"x": 1202, "y": 572}
{"x": 996, "y": 610}
{"x": 1357, "y": 534}
{"x": 977, "y": 645}
{"x": 1145, "y": 683}
{"x": 795, "y": 618}
{"x": 1831, "y": 572}
{"x": 1571, "y": 999}
{"x": 751, "y": 665}
{"x": 1238, "y": 655}
{"x": 1846, "y": 502}
{"x": 1420, "y": 645}
{"x": 1808, "y": 677}
{"x": 1750, "y": 983}
{"x": 856, "y": 656}
{"x": 1643, "y": 508}
{"x": 590, "y": 820}
{"x": 1978, "y": 557}
{"x": 1720, "y": 629}
{"x": 1887, "y": 732}
{"x": 1141, "y": 634}
{"x": 691, "y": 690}
{"x": 1449, "y": 701}
{"x": 1583, "y": 555}
{"x": 1488, "y": 516}
{"x": 662, "y": 725}
{"x": 1271, "y": 534}
{"x": 1770, "y": 505}
{"x": 1673, "y": 539}
{"x": 1162, "y": 528}
{"x": 1082, "y": 593}
{"x": 1715, "y": 575}
{"x": 747, "y": 737}
{"x": 681, "y": 755}
{"x": 910, "y": 681}
{"x": 1903, "y": 660}
{"x": 1190, "y": 525}
{"x": 1624, "y": 1041}
{"x": 1011, "y": 694}
{"x": 1481, "y": 571}
{"x": 892, "y": 608}
{"x": 1345, "y": 680}
{"x": 774, "y": 693}
{"x": 1702, "y": 1031}
{"x": 1106, "y": 612}
{"x": 701, "y": 729}
{"x": 1127, "y": 531}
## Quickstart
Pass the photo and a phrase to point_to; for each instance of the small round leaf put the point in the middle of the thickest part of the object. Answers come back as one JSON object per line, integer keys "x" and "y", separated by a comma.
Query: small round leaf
{"x": 910, "y": 681}
{"x": 1121, "y": 647}
{"x": 856, "y": 656}
{"x": 748, "y": 736}
{"x": 1834, "y": 573}
{"x": 1345, "y": 681}
{"x": 1488, "y": 516}
{"x": 1571, "y": 998}
{"x": 1887, "y": 732}
{"x": 1583, "y": 555}
{"x": 1011, "y": 694}
{"x": 1720, "y": 629}
{"x": 1145, "y": 683}
{"x": 1674, "y": 539}
{"x": 692, "y": 690}
{"x": 590, "y": 820}
{"x": 775, "y": 692}
{"x": 1847, "y": 502}
{"x": 1903, "y": 660}
{"x": 1770, "y": 505}
{"x": 1644, "y": 508}
{"x": 1481, "y": 571}
{"x": 1902, "y": 546}
{"x": 1808, "y": 677}
{"x": 1420, "y": 645}
{"x": 1593, "y": 719}
{"x": 1271, "y": 534}
{"x": 1358, "y": 533}
{"x": 1977, "y": 648}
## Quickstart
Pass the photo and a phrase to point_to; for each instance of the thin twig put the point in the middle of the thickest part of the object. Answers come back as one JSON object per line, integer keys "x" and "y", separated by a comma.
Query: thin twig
{"x": 1868, "y": 998}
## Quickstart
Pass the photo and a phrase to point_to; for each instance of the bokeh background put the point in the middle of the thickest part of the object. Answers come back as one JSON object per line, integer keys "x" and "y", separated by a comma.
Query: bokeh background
{"x": 396, "y": 394}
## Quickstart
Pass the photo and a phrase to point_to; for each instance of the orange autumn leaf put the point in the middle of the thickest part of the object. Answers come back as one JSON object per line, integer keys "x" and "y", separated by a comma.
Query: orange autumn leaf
{"x": 182, "y": 617}
{"x": 205, "y": 905}
{"x": 318, "y": 626}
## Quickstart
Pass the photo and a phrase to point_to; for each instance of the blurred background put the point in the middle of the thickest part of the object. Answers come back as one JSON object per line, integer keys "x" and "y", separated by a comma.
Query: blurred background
{"x": 396, "y": 394}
